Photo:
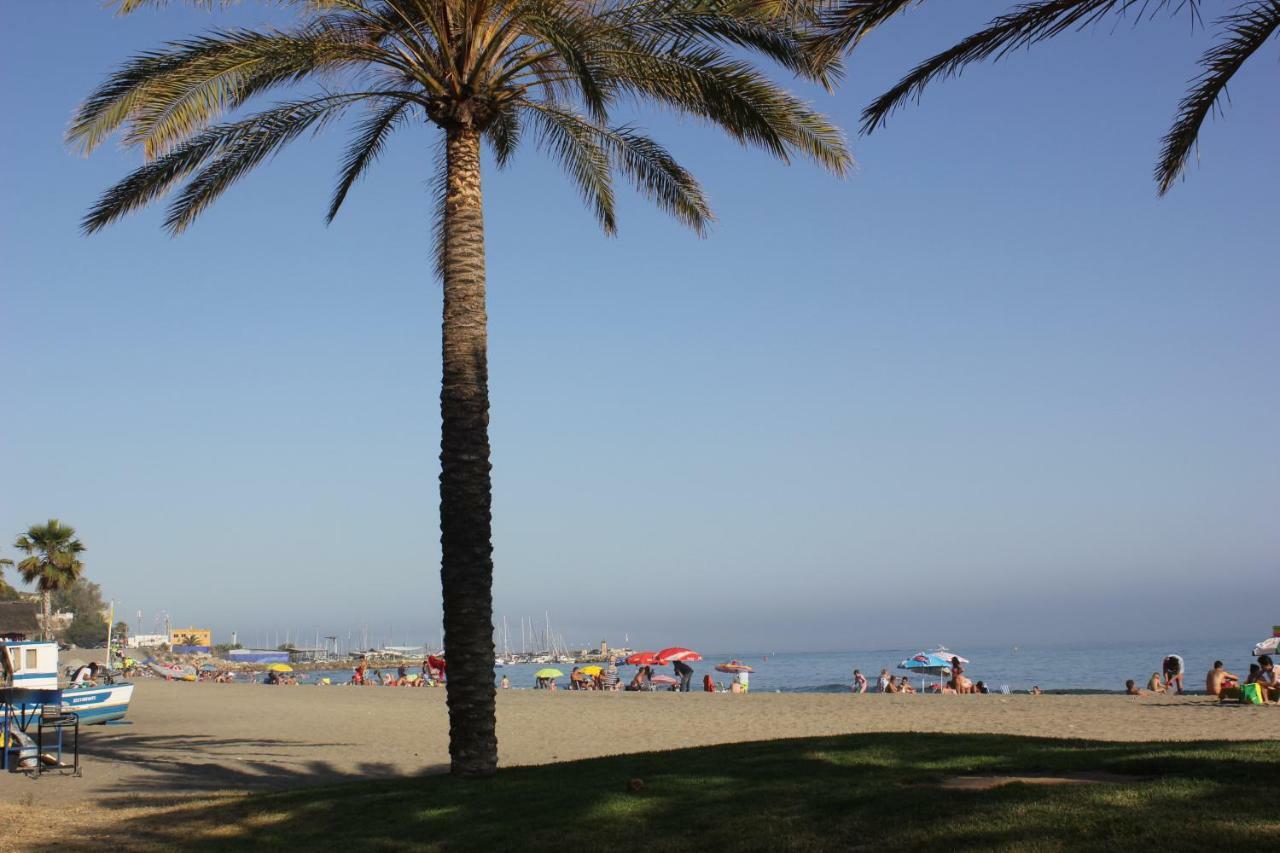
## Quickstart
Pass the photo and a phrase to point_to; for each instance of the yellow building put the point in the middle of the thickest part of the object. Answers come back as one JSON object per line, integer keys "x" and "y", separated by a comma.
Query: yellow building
{"x": 191, "y": 637}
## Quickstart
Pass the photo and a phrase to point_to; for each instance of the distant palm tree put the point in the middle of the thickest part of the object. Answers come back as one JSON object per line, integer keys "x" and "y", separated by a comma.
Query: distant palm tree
{"x": 52, "y": 561}
{"x": 1245, "y": 26}
{"x": 479, "y": 71}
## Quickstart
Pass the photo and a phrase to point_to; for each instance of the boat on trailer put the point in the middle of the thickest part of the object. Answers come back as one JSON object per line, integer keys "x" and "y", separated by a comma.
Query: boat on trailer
{"x": 34, "y": 666}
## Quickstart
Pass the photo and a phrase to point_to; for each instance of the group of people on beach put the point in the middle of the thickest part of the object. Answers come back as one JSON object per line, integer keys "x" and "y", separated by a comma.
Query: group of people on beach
{"x": 1218, "y": 682}
{"x": 430, "y": 675}
{"x": 887, "y": 683}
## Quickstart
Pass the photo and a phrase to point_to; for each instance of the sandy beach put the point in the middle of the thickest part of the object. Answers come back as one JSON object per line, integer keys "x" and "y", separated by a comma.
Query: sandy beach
{"x": 192, "y": 739}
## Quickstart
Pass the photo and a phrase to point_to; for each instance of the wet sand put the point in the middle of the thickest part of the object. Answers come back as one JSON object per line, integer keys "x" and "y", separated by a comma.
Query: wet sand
{"x": 189, "y": 740}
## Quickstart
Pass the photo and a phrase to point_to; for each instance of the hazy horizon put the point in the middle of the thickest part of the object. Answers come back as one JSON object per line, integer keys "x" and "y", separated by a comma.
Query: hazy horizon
{"x": 989, "y": 388}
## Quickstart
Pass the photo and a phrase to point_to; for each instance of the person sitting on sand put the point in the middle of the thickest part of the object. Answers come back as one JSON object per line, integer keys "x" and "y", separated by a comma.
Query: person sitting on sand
{"x": 883, "y": 681}
{"x": 578, "y": 680}
{"x": 891, "y": 686}
{"x": 1268, "y": 678}
{"x": 904, "y": 685}
{"x": 609, "y": 679}
{"x": 1218, "y": 678}
{"x": 1155, "y": 685}
{"x": 506, "y": 683}
{"x": 859, "y": 682}
{"x": 981, "y": 687}
{"x": 1036, "y": 691}
{"x": 1133, "y": 689}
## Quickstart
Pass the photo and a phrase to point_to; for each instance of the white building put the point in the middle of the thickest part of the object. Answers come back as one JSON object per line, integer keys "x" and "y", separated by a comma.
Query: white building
{"x": 146, "y": 641}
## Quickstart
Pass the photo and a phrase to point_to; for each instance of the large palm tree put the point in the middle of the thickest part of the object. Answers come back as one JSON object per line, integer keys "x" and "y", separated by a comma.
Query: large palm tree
{"x": 52, "y": 562}
{"x": 480, "y": 71}
{"x": 1244, "y": 26}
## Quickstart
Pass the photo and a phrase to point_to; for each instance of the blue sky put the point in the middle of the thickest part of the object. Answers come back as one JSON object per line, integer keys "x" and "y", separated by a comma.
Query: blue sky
{"x": 990, "y": 388}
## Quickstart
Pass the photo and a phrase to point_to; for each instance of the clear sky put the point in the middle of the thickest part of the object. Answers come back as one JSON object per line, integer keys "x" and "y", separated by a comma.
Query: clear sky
{"x": 989, "y": 389}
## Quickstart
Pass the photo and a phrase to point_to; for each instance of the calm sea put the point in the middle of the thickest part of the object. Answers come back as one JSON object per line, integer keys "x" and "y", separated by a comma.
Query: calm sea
{"x": 1087, "y": 668}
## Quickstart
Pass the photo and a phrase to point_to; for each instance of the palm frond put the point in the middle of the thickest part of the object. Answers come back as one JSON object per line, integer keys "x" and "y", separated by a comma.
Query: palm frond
{"x": 575, "y": 142}
{"x": 705, "y": 83}
{"x": 649, "y": 166}
{"x": 1247, "y": 28}
{"x": 169, "y": 95}
{"x": 240, "y": 144}
{"x": 1026, "y": 25}
{"x": 371, "y": 137}
{"x": 503, "y": 134}
{"x": 439, "y": 205}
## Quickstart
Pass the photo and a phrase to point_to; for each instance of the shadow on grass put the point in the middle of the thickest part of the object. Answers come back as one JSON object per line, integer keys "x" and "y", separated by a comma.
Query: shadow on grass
{"x": 872, "y": 791}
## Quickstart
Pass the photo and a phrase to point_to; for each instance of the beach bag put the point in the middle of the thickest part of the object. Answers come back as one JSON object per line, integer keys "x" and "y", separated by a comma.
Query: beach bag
{"x": 1251, "y": 694}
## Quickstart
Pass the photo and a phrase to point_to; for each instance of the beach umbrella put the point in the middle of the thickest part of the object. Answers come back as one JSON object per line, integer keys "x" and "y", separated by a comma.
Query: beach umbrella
{"x": 549, "y": 672}
{"x": 678, "y": 653}
{"x": 1267, "y": 647}
{"x": 935, "y": 662}
{"x": 435, "y": 662}
{"x": 733, "y": 666}
{"x": 664, "y": 679}
{"x": 208, "y": 667}
{"x": 279, "y": 667}
{"x": 645, "y": 659}
{"x": 591, "y": 670}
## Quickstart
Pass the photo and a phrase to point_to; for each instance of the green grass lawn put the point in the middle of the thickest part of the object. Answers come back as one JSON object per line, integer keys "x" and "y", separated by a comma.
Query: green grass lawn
{"x": 876, "y": 791}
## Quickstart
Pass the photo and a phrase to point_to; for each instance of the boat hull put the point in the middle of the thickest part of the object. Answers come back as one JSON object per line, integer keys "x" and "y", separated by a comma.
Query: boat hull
{"x": 93, "y": 705}
{"x": 98, "y": 704}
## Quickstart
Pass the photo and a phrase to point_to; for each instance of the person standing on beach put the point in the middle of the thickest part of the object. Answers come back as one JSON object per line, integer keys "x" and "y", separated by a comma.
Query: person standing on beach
{"x": 1173, "y": 673}
{"x": 685, "y": 672}
{"x": 859, "y": 682}
{"x": 1218, "y": 678}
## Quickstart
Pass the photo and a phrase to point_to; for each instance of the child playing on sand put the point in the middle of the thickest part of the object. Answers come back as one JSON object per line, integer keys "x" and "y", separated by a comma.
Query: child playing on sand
{"x": 1154, "y": 684}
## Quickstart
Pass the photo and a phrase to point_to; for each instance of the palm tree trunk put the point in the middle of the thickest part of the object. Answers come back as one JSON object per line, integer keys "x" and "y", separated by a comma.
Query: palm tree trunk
{"x": 466, "y": 564}
{"x": 46, "y": 604}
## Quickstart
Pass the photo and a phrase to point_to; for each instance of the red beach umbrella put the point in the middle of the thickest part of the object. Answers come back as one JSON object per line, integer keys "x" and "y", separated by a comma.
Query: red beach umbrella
{"x": 678, "y": 653}
{"x": 645, "y": 659}
{"x": 435, "y": 662}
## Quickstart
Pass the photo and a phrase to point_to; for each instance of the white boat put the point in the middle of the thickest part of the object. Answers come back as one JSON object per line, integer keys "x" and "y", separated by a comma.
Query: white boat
{"x": 34, "y": 666}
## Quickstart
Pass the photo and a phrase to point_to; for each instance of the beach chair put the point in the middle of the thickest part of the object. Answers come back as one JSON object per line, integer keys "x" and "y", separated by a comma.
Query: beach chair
{"x": 1004, "y": 688}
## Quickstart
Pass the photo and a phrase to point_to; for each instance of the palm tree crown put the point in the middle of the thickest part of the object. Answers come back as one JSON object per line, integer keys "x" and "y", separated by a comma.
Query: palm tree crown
{"x": 1244, "y": 27}
{"x": 52, "y": 561}
{"x": 493, "y": 66}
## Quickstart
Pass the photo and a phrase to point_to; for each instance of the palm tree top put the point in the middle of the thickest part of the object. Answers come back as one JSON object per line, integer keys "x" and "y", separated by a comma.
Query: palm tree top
{"x": 51, "y": 550}
{"x": 559, "y": 68}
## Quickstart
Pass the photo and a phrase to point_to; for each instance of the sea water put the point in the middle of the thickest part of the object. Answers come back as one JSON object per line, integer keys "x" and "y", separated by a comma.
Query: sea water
{"x": 1055, "y": 669}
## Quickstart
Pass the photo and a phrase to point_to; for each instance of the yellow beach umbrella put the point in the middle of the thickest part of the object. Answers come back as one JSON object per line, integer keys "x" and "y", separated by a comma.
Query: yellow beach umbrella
{"x": 591, "y": 670}
{"x": 549, "y": 672}
{"x": 279, "y": 667}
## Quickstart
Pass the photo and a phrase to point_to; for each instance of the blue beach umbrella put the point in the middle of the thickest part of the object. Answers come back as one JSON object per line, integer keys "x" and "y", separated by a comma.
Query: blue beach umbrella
{"x": 208, "y": 667}
{"x": 936, "y": 662}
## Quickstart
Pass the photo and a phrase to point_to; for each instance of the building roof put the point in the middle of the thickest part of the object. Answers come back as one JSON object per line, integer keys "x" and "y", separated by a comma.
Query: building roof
{"x": 18, "y": 617}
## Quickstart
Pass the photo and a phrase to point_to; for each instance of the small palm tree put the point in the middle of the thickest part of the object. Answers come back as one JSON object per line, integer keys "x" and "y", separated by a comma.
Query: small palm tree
{"x": 1245, "y": 26}
{"x": 51, "y": 563}
{"x": 479, "y": 71}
